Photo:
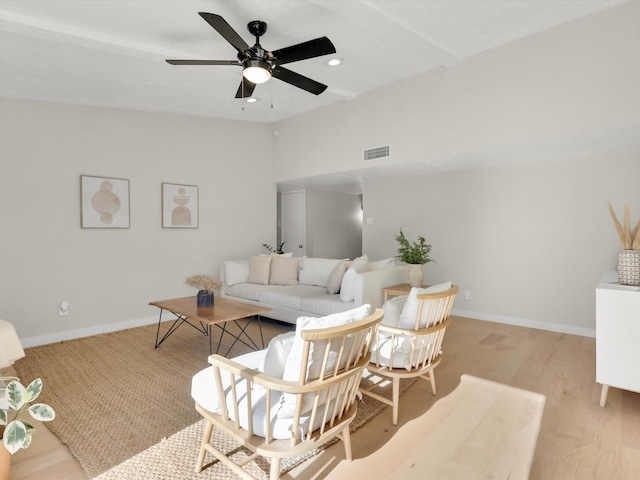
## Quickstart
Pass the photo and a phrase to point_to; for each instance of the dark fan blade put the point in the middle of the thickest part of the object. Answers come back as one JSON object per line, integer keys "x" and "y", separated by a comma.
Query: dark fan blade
{"x": 298, "y": 80}
{"x": 245, "y": 90}
{"x": 223, "y": 28}
{"x": 302, "y": 51}
{"x": 204, "y": 62}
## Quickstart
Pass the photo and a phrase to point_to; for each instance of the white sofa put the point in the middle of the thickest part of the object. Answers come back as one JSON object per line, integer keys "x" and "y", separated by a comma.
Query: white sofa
{"x": 300, "y": 287}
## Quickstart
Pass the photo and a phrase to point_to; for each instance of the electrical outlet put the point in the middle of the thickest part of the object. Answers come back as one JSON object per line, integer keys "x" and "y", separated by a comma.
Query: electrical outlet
{"x": 467, "y": 295}
{"x": 63, "y": 308}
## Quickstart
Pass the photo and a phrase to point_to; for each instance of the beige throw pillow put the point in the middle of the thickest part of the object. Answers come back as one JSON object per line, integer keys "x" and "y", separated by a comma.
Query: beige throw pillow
{"x": 335, "y": 278}
{"x": 284, "y": 270}
{"x": 259, "y": 268}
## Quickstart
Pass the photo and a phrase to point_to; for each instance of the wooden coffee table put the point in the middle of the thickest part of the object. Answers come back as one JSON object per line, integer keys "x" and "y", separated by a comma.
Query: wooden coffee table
{"x": 203, "y": 319}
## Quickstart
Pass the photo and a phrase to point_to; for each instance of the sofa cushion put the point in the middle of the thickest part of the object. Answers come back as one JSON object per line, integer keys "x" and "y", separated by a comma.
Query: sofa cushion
{"x": 348, "y": 286}
{"x": 335, "y": 277}
{"x": 236, "y": 271}
{"x": 284, "y": 270}
{"x": 324, "y": 304}
{"x": 248, "y": 291}
{"x": 316, "y": 271}
{"x": 288, "y": 296}
{"x": 410, "y": 309}
{"x": 292, "y": 369}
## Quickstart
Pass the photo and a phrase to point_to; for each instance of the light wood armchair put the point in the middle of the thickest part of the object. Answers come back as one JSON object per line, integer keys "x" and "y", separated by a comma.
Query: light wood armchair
{"x": 322, "y": 408}
{"x": 411, "y": 352}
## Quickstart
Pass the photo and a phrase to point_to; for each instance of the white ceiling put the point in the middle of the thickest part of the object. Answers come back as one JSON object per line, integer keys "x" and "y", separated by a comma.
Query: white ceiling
{"x": 111, "y": 53}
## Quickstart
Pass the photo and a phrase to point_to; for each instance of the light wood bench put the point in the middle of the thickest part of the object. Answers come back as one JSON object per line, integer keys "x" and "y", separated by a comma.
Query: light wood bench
{"x": 481, "y": 430}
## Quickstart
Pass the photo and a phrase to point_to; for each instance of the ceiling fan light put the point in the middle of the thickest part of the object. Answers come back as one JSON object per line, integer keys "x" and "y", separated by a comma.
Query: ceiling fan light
{"x": 256, "y": 71}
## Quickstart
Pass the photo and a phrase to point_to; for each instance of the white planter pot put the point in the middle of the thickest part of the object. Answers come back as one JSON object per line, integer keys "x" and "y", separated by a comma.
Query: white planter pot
{"x": 629, "y": 267}
{"x": 416, "y": 275}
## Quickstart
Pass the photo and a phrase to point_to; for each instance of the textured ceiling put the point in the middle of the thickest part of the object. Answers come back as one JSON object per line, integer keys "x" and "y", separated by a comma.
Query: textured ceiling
{"x": 111, "y": 53}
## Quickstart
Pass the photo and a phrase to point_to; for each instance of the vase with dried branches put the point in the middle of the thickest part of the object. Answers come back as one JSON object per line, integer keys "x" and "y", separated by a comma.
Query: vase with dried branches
{"x": 206, "y": 285}
{"x": 629, "y": 258}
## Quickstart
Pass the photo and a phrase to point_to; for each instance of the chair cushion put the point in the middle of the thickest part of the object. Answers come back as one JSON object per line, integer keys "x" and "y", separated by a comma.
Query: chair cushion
{"x": 392, "y": 309}
{"x": 275, "y": 357}
{"x": 381, "y": 353}
{"x": 293, "y": 367}
{"x": 410, "y": 310}
{"x": 205, "y": 394}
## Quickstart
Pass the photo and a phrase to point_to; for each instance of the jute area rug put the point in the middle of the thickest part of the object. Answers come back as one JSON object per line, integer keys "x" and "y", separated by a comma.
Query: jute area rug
{"x": 124, "y": 408}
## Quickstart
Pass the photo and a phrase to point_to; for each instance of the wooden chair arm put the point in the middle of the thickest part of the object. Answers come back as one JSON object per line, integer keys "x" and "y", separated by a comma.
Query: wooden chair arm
{"x": 274, "y": 383}
{"x": 447, "y": 293}
{"x": 410, "y": 332}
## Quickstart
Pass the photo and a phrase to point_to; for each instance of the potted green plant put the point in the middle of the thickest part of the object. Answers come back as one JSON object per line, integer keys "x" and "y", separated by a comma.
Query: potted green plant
{"x": 629, "y": 258}
{"x": 277, "y": 250}
{"x": 415, "y": 255}
{"x": 206, "y": 285}
{"x": 15, "y": 400}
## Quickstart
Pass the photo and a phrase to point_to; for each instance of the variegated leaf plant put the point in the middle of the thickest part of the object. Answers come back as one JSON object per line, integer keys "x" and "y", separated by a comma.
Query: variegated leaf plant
{"x": 14, "y": 402}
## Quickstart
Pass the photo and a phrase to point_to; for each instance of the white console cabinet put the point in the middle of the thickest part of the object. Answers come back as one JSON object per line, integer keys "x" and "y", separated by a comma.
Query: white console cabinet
{"x": 617, "y": 336}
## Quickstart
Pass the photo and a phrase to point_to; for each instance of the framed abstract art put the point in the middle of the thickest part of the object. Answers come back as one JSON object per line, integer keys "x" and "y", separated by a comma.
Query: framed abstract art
{"x": 179, "y": 206}
{"x": 104, "y": 202}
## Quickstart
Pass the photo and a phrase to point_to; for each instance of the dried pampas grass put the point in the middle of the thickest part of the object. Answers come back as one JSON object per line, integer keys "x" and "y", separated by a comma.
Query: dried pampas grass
{"x": 203, "y": 282}
{"x": 630, "y": 238}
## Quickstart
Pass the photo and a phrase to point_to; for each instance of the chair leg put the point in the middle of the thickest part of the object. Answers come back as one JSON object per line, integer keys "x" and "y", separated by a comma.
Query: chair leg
{"x": 346, "y": 439}
{"x": 206, "y": 437}
{"x": 396, "y": 398}
{"x": 432, "y": 379}
{"x": 274, "y": 473}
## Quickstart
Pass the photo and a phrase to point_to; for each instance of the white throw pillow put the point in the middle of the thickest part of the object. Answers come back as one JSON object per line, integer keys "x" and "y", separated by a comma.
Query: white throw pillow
{"x": 392, "y": 309}
{"x": 410, "y": 310}
{"x": 316, "y": 271}
{"x": 275, "y": 358}
{"x": 381, "y": 264}
{"x": 259, "y": 267}
{"x": 348, "y": 286}
{"x": 292, "y": 368}
{"x": 236, "y": 271}
{"x": 335, "y": 277}
{"x": 284, "y": 270}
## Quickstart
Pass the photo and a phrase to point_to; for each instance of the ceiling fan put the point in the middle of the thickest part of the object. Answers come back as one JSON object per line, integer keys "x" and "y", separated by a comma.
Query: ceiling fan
{"x": 259, "y": 65}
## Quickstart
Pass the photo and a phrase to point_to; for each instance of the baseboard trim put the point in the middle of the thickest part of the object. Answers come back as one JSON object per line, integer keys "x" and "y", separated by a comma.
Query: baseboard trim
{"x": 521, "y": 322}
{"x": 113, "y": 327}
{"x": 86, "y": 332}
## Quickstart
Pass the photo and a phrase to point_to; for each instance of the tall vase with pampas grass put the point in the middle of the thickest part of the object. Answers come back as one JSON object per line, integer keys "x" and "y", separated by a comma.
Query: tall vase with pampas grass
{"x": 629, "y": 258}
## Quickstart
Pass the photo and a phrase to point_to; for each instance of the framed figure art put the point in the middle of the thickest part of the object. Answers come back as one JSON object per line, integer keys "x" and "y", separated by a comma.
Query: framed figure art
{"x": 104, "y": 202}
{"x": 179, "y": 206}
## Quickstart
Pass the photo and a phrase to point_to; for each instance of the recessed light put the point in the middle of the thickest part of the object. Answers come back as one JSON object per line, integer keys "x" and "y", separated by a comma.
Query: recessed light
{"x": 252, "y": 100}
{"x": 334, "y": 62}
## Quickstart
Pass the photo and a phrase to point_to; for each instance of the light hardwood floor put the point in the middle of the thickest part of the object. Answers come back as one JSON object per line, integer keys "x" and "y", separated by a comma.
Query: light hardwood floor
{"x": 578, "y": 439}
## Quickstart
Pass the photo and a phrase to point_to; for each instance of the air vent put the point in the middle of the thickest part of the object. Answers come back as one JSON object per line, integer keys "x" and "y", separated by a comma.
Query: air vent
{"x": 377, "y": 153}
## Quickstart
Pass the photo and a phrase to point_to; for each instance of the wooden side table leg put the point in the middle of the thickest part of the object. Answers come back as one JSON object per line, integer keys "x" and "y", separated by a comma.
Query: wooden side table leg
{"x": 603, "y": 395}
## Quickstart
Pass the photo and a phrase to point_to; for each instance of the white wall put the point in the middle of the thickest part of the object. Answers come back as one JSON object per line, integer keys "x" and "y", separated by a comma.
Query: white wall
{"x": 109, "y": 276}
{"x": 333, "y": 224}
{"x": 554, "y": 119}
{"x": 565, "y": 88}
{"x": 530, "y": 241}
